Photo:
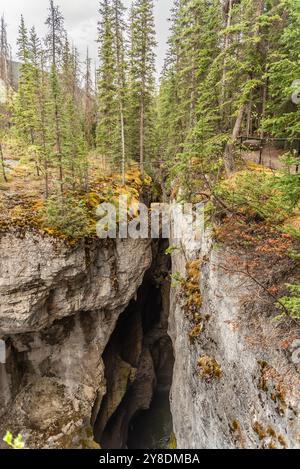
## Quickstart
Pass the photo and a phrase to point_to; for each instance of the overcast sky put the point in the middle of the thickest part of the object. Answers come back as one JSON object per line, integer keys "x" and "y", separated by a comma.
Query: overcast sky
{"x": 81, "y": 21}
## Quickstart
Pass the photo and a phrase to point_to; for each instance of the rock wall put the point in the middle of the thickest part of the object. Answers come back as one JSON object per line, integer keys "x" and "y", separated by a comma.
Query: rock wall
{"x": 236, "y": 380}
{"x": 236, "y": 374}
{"x": 58, "y": 308}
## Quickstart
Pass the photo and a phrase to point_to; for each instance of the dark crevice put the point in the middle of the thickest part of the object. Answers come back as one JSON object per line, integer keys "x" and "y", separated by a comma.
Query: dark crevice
{"x": 135, "y": 412}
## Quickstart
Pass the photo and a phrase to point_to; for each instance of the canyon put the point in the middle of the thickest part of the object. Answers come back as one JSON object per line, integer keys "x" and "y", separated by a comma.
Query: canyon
{"x": 98, "y": 336}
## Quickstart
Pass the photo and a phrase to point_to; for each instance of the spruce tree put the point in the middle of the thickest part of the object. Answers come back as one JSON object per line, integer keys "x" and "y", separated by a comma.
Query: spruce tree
{"x": 5, "y": 76}
{"x": 72, "y": 119}
{"x": 107, "y": 93}
{"x": 142, "y": 81}
{"x": 189, "y": 101}
{"x": 89, "y": 103}
{"x": 5, "y": 53}
{"x": 43, "y": 114}
{"x": 119, "y": 28}
{"x": 24, "y": 111}
{"x": 225, "y": 61}
{"x": 282, "y": 117}
{"x": 54, "y": 43}
{"x": 35, "y": 81}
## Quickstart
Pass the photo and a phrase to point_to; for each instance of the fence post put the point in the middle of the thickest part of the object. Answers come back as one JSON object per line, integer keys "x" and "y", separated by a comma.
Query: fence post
{"x": 261, "y": 148}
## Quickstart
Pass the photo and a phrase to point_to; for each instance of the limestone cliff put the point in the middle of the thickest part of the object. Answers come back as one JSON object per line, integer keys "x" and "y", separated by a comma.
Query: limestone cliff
{"x": 58, "y": 308}
{"x": 236, "y": 376}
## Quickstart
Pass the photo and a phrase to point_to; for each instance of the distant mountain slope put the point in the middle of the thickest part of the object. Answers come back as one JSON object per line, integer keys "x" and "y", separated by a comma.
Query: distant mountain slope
{"x": 15, "y": 67}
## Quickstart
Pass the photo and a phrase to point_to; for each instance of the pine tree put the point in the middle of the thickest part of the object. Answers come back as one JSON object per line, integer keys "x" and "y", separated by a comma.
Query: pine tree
{"x": 89, "y": 103}
{"x": 4, "y": 54}
{"x": 282, "y": 117}
{"x": 225, "y": 61}
{"x": 5, "y": 77}
{"x": 112, "y": 84}
{"x": 142, "y": 80}
{"x": 119, "y": 27}
{"x": 72, "y": 120}
{"x": 188, "y": 93}
{"x": 43, "y": 117}
{"x": 107, "y": 92}
{"x": 24, "y": 102}
{"x": 34, "y": 79}
{"x": 54, "y": 42}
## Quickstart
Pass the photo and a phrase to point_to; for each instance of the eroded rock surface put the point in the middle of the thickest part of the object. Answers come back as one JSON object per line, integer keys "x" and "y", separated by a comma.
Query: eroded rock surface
{"x": 245, "y": 393}
{"x": 58, "y": 308}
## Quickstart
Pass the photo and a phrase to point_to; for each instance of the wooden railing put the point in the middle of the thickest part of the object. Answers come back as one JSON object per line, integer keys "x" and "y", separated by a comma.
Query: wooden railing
{"x": 264, "y": 141}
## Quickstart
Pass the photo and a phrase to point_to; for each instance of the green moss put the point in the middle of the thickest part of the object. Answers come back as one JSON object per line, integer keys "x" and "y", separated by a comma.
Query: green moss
{"x": 271, "y": 432}
{"x": 259, "y": 430}
{"x": 268, "y": 436}
{"x": 70, "y": 218}
{"x": 235, "y": 426}
{"x": 195, "y": 332}
{"x": 256, "y": 194}
{"x": 271, "y": 383}
{"x": 209, "y": 368}
{"x": 172, "y": 444}
{"x": 282, "y": 441}
{"x": 190, "y": 290}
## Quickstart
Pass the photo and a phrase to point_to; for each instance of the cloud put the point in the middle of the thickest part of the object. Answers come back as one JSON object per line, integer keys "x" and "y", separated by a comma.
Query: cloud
{"x": 80, "y": 11}
{"x": 81, "y": 21}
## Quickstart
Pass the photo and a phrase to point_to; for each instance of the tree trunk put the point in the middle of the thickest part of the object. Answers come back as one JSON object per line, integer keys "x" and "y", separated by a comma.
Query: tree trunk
{"x": 58, "y": 146}
{"x": 46, "y": 169}
{"x": 263, "y": 113}
{"x": 226, "y": 46}
{"x": 121, "y": 88}
{"x": 46, "y": 179}
{"x": 229, "y": 150}
{"x": 56, "y": 111}
{"x": 249, "y": 119}
{"x": 263, "y": 110}
{"x": 2, "y": 163}
{"x": 123, "y": 143}
{"x": 142, "y": 138}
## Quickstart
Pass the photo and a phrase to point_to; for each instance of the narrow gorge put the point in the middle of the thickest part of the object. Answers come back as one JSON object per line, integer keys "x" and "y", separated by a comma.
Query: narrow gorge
{"x": 87, "y": 349}
{"x": 98, "y": 336}
{"x": 149, "y": 227}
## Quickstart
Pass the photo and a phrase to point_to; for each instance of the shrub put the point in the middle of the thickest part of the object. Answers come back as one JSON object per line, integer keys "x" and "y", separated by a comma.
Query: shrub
{"x": 262, "y": 194}
{"x": 292, "y": 302}
{"x": 172, "y": 442}
{"x": 289, "y": 183}
{"x": 256, "y": 194}
{"x": 15, "y": 443}
{"x": 209, "y": 368}
{"x": 67, "y": 216}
